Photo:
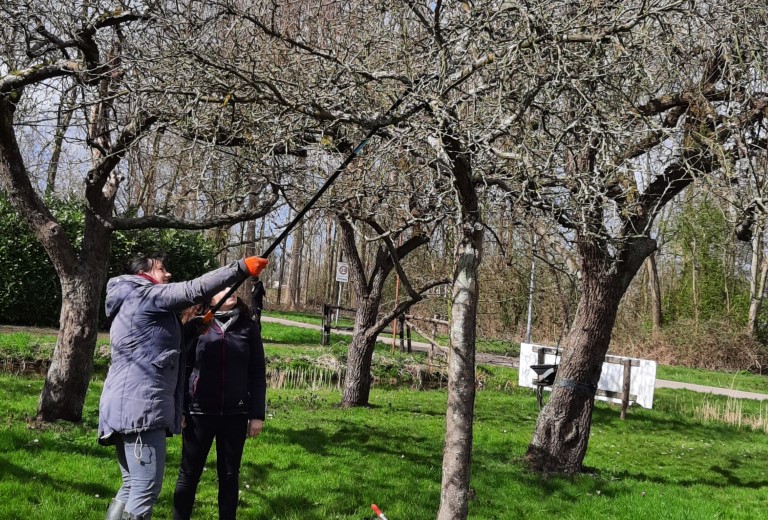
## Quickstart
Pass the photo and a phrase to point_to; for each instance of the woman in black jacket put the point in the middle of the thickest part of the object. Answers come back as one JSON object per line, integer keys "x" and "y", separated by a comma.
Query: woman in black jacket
{"x": 225, "y": 400}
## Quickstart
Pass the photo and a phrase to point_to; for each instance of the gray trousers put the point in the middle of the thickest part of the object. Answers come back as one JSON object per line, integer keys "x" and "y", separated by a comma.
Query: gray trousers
{"x": 142, "y": 463}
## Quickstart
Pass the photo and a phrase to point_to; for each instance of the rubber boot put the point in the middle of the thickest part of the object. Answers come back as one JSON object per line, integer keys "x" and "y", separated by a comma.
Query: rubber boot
{"x": 115, "y": 510}
{"x": 131, "y": 516}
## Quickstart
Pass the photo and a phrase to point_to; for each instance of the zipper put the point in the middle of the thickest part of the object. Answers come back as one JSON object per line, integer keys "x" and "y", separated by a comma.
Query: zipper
{"x": 223, "y": 360}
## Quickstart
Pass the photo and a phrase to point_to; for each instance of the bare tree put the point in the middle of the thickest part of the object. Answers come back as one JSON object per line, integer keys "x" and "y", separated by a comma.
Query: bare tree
{"x": 359, "y": 47}
{"x": 92, "y": 46}
{"x": 583, "y": 166}
{"x": 395, "y": 235}
{"x": 747, "y": 193}
{"x": 543, "y": 102}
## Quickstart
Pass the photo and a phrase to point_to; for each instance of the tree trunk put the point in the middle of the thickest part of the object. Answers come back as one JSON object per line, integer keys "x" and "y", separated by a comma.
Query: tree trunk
{"x": 655, "y": 292}
{"x": 759, "y": 271}
{"x": 66, "y": 384}
{"x": 562, "y": 431}
{"x": 307, "y": 271}
{"x": 368, "y": 292}
{"x": 561, "y": 436}
{"x": 694, "y": 284}
{"x": 459, "y": 415}
{"x": 357, "y": 382}
{"x": 330, "y": 274}
{"x": 81, "y": 278}
{"x": 281, "y": 277}
{"x": 457, "y": 453}
{"x": 294, "y": 277}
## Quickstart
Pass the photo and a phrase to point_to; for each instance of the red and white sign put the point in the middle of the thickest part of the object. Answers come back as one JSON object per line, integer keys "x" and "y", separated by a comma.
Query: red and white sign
{"x": 342, "y": 272}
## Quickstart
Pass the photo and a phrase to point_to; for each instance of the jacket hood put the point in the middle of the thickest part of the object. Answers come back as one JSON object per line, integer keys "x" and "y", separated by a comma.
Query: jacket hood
{"x": 118, "y": 289}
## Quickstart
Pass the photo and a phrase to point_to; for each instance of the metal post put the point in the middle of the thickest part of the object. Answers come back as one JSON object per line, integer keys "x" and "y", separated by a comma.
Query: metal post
{"x": 625, "y": 388}
{"x": 401, "y": 320}
{"x": 530, "y": 292}
{"x": 338, "y": 303}
{"x": 322, "y": 325}
{"x": 408, "y": 334}
{"x": 326, "y": 332}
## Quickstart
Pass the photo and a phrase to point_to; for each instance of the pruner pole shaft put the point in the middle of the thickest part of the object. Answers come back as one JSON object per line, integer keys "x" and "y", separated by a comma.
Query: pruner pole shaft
{"x": 327, "y": 184}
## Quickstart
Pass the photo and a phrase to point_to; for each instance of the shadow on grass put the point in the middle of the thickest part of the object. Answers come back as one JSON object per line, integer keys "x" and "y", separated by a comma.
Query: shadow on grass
{"x": 335, "y": 497}
{"x": 652, "y": 422}
{"x": 15, "y": 442}
{"x": 285, "y": 506}
{"x": 13, "y": 471}
{"x": 731, "y": 480}
{"x": 365, "y": 440}
{"x": 678, "y": 472}
{"x": 252, "y": 472}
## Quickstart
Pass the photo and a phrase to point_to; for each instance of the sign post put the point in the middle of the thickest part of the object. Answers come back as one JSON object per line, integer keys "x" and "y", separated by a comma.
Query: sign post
{"x": 342, "y": 276}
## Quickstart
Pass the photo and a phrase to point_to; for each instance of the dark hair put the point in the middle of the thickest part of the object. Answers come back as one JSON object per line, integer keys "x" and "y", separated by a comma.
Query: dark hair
{"x": 201, "y": 308}
{"x": 196, "y": 310}
{"x": 144, "y": 262}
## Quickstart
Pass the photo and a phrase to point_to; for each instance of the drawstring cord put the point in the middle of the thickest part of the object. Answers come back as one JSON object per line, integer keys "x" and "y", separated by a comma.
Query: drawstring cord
{"x": 140, "y": 445}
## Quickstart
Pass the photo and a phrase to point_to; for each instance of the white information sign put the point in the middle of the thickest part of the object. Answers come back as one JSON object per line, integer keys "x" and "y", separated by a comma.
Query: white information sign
{"x": 642, "y": 376}
{"x": 342, "y": 272}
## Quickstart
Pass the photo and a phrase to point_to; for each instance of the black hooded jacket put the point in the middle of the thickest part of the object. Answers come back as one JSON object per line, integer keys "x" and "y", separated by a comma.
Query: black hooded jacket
{"x": 226, "y": 369}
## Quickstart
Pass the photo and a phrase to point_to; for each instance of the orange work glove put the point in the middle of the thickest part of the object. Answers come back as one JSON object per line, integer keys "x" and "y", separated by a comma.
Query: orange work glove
{"x": 255, "y": 265}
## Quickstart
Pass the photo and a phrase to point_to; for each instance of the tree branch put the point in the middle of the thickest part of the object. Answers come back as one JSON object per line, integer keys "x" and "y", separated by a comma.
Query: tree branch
{"x": 168, "y": 221}
{"x": 403, "y": 306}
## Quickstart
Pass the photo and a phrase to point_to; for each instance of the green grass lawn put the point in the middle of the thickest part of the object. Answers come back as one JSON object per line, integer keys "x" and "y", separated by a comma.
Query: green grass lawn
{"x": 278, "y": 333}
{"x": 317, "y": 461}
{"x": 744, "y": 381}
{"x": 25, "y": 347}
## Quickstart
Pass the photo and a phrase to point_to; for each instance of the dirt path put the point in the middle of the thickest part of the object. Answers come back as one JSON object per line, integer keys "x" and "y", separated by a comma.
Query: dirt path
{"x": 738, "y": 394}
{"x": 417, "y": 346}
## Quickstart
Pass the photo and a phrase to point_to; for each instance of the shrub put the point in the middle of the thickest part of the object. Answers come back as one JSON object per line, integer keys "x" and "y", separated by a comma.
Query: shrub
{"x": 711, "y": 345}
{"x": 29, "y": 288}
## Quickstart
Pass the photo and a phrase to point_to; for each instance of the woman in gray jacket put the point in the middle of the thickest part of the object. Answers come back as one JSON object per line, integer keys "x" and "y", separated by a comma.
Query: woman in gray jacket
{"x": 141, "y": 403}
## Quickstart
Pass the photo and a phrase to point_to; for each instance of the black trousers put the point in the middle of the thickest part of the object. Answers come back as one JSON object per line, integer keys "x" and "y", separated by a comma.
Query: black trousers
{"x": 230, "y": 432}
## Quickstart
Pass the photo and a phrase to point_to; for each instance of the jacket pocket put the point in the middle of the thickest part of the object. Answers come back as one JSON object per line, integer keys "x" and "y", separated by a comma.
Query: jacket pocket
{"x": 169, "y": 358}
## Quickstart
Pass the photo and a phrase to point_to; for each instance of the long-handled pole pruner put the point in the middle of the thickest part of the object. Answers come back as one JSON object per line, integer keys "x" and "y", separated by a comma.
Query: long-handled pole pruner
{"x": 378, "y": 512}
{"x": 308, "y": 206}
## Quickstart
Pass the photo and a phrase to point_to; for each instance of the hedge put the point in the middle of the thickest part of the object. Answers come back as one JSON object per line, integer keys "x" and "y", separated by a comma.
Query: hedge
{"x": 29, "y": 288}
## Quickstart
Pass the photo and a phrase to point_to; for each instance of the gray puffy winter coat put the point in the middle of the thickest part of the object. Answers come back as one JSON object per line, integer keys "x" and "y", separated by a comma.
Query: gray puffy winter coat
{"x": 144, "y": 387}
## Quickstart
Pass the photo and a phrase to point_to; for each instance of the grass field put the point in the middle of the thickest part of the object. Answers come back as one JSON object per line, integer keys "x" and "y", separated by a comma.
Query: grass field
{"x": 318, "y": 461}
{"x": 744, "y": 381}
